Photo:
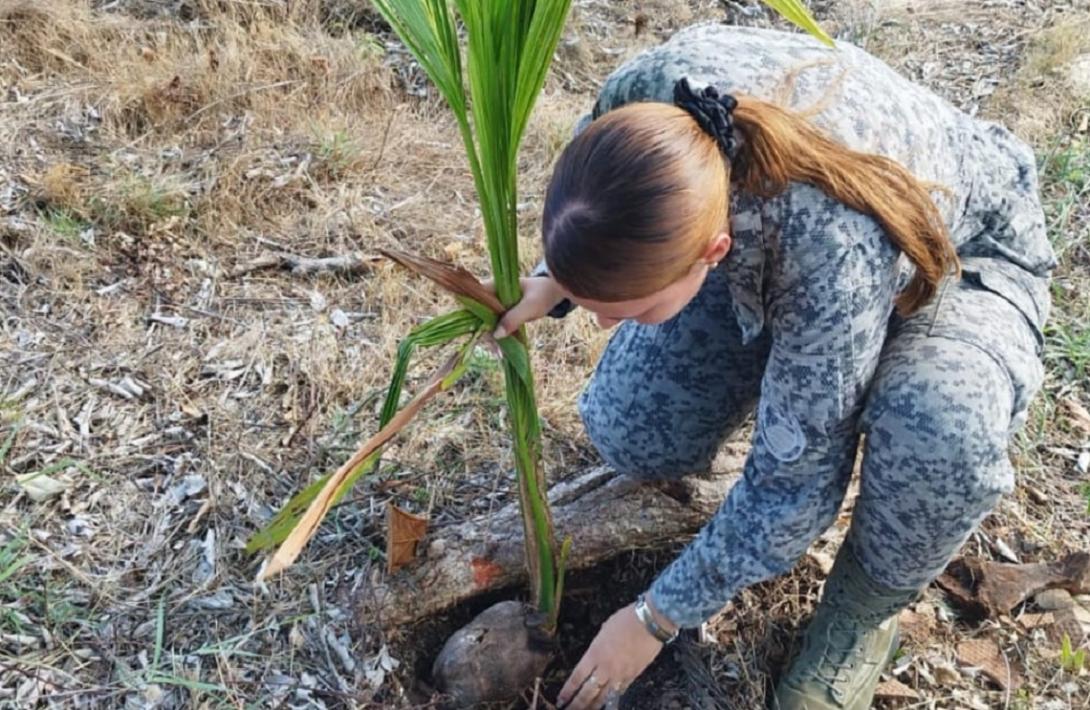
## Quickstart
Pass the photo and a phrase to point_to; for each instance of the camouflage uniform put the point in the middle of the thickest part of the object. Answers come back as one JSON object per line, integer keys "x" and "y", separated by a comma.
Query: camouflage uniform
{"x": 798, "y": 323}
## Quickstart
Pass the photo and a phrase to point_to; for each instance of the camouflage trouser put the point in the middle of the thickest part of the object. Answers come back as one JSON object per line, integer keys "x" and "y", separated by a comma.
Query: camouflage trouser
{"x": 953, "y": 384}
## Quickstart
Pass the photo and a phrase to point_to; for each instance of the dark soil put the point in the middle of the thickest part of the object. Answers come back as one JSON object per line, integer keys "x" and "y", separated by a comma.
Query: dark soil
{"x": 690, "y": 673}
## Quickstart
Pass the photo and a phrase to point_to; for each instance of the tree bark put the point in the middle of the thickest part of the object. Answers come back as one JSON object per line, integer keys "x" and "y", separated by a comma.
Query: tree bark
{"x": 604, "y": 513}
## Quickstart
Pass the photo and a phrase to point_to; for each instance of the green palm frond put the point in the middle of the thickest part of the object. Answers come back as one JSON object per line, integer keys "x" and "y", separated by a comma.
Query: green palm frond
{"x": 437, "y": 331}
{"x": 795, "y": 11}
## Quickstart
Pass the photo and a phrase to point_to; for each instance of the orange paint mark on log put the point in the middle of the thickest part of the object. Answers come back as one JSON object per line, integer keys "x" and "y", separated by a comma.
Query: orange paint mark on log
{"x": 485, "y": 571}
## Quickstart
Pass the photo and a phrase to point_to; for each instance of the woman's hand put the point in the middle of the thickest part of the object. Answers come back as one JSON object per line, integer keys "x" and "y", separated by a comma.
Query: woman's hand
{"x": 540, "y": 294}
{"x": 621, "y": 651}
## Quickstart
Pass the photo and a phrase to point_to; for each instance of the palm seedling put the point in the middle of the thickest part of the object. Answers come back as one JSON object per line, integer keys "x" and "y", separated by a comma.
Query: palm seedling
{"x": 490, "y": 85}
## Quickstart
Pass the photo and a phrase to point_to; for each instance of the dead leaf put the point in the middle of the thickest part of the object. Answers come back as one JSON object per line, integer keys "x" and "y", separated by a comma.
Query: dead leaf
{"x": 308, "y": 524}
{"x": 985, "y": 654}
{"x": 403, "y": 531}
{"x": 39, "y": 488}
{"x": 451, "y": 278}
{"x": 1073, "y": 622}
{"x": 982, "y": 588}
{"x": 1076, "y": 414}
{"x": 917, "y": 627}
{"x": 894, "y": 689}
{"x": 1035, "y": 621}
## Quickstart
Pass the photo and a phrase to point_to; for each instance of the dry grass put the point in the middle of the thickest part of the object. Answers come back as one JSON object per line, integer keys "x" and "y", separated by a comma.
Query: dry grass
{"x": 144, "y": 153}
{"x": 1041, "y": 97}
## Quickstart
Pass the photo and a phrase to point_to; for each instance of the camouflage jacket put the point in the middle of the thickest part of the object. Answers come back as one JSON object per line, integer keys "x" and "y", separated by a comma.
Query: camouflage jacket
{"x": 821, "y": 277}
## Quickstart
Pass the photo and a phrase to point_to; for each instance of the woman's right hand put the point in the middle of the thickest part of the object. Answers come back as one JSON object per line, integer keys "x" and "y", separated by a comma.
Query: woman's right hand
{"x": 540, "y": 294}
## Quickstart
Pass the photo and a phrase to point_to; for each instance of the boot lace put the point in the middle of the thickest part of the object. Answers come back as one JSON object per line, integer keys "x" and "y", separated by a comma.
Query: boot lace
{"x": 842, "y": 654}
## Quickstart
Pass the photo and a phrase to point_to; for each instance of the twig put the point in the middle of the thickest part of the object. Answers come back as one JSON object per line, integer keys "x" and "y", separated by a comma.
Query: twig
{"x": 354, "y": 263}
{"x": 382, "y": 145}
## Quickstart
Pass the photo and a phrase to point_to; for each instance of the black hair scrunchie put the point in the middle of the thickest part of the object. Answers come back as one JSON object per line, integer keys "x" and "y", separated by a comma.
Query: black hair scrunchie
{"x": 714, "y": 113}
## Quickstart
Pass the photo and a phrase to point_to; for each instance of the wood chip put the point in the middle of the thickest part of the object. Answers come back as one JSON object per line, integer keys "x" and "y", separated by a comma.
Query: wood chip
{"x": 982, "y": 588}
{"x": 985, "y": 654}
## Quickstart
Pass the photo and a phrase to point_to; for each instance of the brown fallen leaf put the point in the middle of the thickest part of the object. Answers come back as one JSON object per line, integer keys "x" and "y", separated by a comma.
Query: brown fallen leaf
{"x": 403, "y": 531}
{"x": 982, "y": 588}
{"x": 1035, "y": 621}
{"x": 1073, "y": 623}
{"x": 985, "y": 654}
{"x": 917, "y": 626}
{"x": 1076, "y": 414}
{"x": 894, "y": 689}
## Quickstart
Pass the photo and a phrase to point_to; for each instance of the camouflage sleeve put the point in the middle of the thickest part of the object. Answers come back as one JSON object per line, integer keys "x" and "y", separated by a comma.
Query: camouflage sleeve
{"x": 829, "y": 300}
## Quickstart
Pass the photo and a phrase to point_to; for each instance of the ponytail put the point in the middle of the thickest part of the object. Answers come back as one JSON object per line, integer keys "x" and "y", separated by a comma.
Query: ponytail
{"x": 779, "y": 146}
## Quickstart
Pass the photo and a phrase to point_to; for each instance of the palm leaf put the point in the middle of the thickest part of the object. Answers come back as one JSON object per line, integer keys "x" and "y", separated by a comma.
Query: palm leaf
{"x": 437, "y": 331}
{"x": 442, "y": 380}
{"x": 795, "y": 11}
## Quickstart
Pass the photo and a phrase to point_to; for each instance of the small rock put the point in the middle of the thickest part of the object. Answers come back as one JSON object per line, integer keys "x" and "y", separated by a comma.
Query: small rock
{"x": 153, "y": 694}
{"x": 1083, "y": 462}
{"x": 1078, "y": 74}
{"x": 824, "y": 561}
{"x": 339, "y": 318}
{"x": 1054, "y": 600}
{"x": 945, "y": 673}
{"x": 436, "y": 548}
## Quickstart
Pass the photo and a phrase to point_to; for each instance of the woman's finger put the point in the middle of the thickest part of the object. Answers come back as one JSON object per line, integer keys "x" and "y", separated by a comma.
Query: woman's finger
{"x": 531, "y": 307}
{"x": 575, "y": 681}
{"x": 592, "y": 694}
{"x": 511, "y": 321}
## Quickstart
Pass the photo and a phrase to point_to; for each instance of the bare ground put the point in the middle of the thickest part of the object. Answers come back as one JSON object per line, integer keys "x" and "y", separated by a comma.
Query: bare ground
{"x": 158, "y": 405}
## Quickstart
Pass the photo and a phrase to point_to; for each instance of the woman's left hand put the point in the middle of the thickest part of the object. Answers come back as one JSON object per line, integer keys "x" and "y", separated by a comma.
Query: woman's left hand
{"x": 621, "y": 651}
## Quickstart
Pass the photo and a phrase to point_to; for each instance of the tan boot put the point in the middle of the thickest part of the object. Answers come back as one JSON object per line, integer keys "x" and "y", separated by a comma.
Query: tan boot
{"x": 848, "y": 643}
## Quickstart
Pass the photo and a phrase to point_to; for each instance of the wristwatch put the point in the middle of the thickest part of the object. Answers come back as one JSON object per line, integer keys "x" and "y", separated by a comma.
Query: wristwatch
{"x": 643, "y": 613}
{"x": 564, "y": 307}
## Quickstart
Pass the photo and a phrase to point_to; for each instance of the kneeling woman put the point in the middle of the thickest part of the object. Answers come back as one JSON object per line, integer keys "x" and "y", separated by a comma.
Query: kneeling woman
{"x": 875, "y": 270}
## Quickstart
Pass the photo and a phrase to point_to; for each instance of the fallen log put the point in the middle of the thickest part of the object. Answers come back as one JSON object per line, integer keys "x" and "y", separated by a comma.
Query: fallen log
{"x": 604, "y": 513}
